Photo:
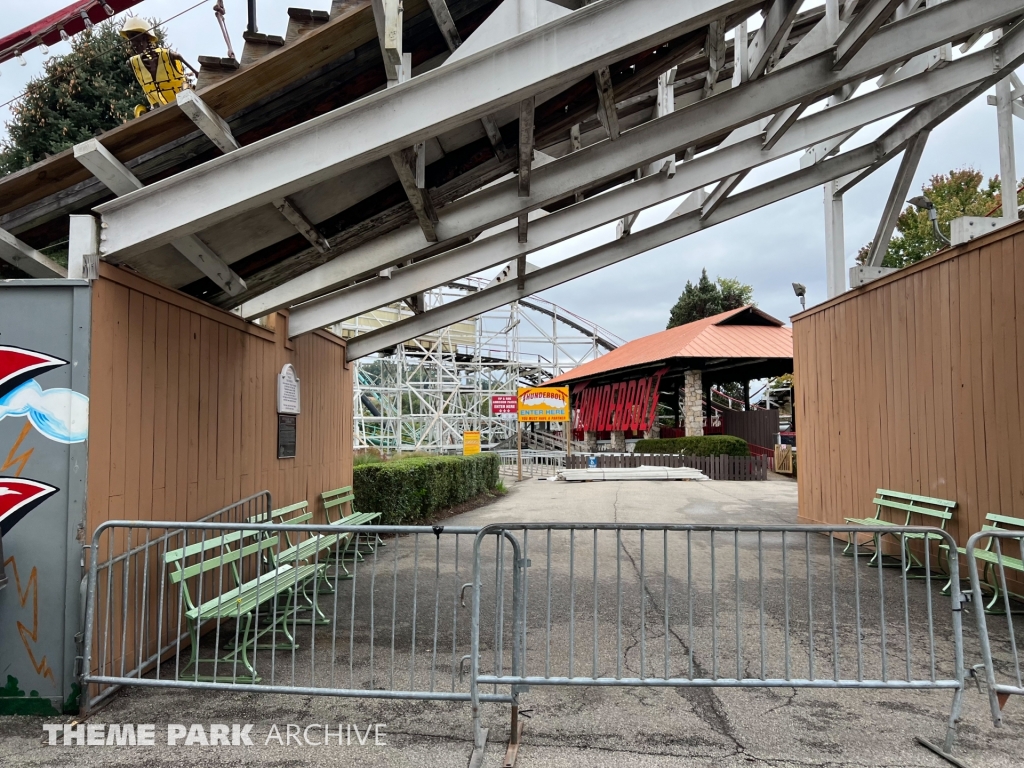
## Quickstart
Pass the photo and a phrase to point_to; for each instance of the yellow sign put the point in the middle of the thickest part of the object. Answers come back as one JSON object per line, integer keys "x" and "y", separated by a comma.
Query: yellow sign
{"x": 544, "y": 404}
{"x": 470, "y": 443}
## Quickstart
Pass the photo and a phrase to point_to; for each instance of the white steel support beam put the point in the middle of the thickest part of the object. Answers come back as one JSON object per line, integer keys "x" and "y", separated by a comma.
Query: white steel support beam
{"x": 772, "y": 35}
{"x": 119, "y": 180}
{"x": 923, "y": 118}
{"x": 741, "y": 58}
{"x": 83, "y": 247}
{"x": 835, "y": 241}
{"x": 1007, "y": 156}
{"x": 605, "y": 255}
{"x": 606, "y": 160}
{"x": 897, "y": 198}
{"x": 550, "y": 56}
{"x": 873, "y": 14}
{"x": 602, "y": 209}
{"x": 28, "y": 259}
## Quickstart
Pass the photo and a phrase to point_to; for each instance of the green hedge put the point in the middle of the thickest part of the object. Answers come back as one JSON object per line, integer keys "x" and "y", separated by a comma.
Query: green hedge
{"x": 409, "y": 491}
{"x": 706, "y": 445}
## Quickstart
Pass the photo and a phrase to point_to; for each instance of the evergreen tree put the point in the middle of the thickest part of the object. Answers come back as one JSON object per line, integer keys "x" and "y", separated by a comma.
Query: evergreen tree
{"x": 81, "y": 94}
{"x": 709, "y": 298}
{"x": 961, "y": 193}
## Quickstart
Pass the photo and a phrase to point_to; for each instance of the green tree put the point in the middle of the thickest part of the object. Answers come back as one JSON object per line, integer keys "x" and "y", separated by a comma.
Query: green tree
{"x": 85, "y": 92}
{"x": 709, "y": 298}
{"x": 961, "y": 193}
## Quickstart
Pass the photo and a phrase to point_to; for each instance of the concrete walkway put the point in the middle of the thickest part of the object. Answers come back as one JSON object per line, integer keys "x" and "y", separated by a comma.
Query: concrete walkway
{"x": 593, "y": 726}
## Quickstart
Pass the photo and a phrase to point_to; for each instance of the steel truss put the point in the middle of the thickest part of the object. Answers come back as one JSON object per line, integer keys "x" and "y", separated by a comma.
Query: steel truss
{"x": 423, "y": 394}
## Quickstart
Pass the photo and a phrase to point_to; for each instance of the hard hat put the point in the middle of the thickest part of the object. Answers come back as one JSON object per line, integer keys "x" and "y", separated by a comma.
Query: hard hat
{"x": 137, "y": 24}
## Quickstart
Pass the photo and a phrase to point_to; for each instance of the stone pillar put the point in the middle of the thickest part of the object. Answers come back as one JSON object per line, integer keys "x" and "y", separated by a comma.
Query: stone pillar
{"x": 693, "y": 410}
{"x": 618, "y": 441}
{"x": 590, "y": 442}
{"x": 654, "y": 432}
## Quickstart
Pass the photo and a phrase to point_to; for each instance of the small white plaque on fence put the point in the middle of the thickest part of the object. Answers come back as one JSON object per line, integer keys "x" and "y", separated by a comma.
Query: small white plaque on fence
{"x": 287, "y": 390}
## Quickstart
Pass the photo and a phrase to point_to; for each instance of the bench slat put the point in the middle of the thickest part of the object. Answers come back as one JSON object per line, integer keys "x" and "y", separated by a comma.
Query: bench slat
{"x": 276, "y": 513}
{"x": 228, "y": 556}
{"x": 1005, "y": 520}
{"x": 244, "y": 599}
{"x": 914, "y": 497}
{"x": 886, "y": 503}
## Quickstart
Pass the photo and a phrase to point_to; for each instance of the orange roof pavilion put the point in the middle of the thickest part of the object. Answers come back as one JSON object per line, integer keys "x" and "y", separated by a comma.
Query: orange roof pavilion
{"x": 738, "y": 345}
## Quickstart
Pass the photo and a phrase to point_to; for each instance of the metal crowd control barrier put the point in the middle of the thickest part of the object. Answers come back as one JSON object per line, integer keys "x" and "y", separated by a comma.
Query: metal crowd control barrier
{"x": 360, "y": 611}
{"x": 535, "y": 463}
{"x": 741, "y": 606}
{"x": 1003, "y": 671}
{"x": 238, "y": 512}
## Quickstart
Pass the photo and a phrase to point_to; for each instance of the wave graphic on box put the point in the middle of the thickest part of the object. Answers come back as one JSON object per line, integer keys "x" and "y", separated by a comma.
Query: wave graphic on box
{"x": 59, "y": 414}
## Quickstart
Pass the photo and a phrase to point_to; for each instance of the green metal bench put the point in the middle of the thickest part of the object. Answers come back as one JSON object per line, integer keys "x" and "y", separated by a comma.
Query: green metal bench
{"x": 937, "y": 512}
{"x": 994, "y": 559}
{"x": 242, "y": 601}
{"x": 314, "y": 549}
{"x": 336, "y": 500}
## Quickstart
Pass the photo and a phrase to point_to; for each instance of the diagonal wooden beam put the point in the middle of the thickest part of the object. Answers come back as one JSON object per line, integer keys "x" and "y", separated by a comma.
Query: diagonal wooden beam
{"x": 606, "y": 112}
{"x": 526, "y": 134}
{"x": 304, "y": 226}
{"x": 405, "y": 163}
{"x": 450, "y": 33}
{"x": 28, "y": 259}
{"x": 207, "y": 120}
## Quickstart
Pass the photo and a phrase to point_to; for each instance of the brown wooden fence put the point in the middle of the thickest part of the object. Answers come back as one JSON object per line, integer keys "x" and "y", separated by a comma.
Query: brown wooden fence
{"x": 715, "y": 467}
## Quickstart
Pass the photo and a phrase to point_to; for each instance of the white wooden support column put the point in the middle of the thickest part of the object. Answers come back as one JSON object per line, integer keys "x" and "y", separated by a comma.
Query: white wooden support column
{"x": 83, "y": 247}
{"x": 835, "y": 242}
{"x": 119, "y": 180}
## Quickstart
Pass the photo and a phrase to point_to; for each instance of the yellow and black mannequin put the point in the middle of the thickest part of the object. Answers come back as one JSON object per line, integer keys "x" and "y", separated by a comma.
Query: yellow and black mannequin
{"x": 160, "y": 71}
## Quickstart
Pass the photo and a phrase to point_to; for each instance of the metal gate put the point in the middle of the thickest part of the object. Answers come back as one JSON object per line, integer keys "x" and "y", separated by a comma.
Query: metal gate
{"x": 1000, "y": 659}
{"x": 359, "y": 611}
{"x": 740, "y": 606}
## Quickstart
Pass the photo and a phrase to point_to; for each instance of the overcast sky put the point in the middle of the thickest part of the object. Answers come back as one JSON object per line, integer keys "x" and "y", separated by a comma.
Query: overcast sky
{"x": 770, "y": 248}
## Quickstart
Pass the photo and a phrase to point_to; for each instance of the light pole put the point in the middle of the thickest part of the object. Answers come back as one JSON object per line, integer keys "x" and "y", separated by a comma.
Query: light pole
{"x": 801, "y": 292}
{"x": 924, "y": 204}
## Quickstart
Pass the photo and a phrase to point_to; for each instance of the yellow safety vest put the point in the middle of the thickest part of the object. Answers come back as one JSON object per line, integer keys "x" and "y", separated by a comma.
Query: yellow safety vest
{"x": 169, "y": 79}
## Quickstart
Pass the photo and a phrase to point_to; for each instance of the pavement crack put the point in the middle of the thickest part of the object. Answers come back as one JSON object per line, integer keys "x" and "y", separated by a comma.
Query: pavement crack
{"x": 704, "y": 702}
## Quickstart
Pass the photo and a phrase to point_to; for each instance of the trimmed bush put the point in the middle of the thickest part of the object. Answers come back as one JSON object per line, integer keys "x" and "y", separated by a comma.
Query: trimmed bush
{"x": 409, "y": 491}
{"x": 698, "y": 445}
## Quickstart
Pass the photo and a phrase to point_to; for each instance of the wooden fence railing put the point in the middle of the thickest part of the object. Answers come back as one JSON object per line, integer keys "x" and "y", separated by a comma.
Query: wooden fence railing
{"x": 716, "y": 467}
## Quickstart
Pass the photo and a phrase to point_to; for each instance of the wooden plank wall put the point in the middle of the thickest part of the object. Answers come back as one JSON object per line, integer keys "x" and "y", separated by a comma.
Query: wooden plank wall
{"x": 911, "y": 383}
{"x": 183, "y": 407}
{"x": 758, "y": 426}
